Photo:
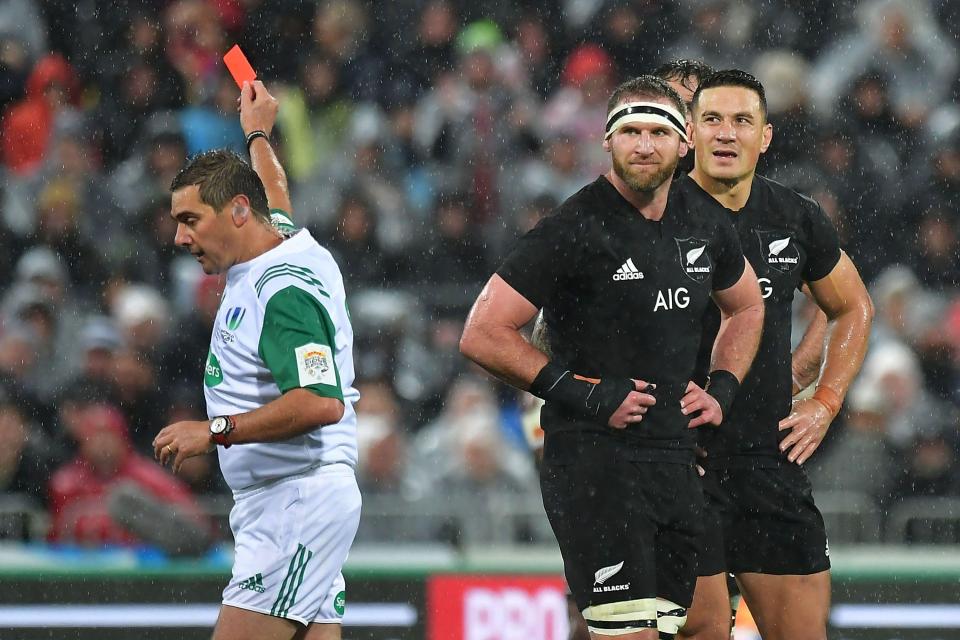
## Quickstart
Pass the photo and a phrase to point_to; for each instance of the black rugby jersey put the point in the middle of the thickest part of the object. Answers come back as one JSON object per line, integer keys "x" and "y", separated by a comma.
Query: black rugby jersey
{"x": 625, "y": 296}
{"x": 788, "y": 239}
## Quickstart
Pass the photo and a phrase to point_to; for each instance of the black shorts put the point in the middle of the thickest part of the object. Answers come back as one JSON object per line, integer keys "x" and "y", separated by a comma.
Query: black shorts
{"x": 769, "y": 522}
{"x": 627, "y": 530}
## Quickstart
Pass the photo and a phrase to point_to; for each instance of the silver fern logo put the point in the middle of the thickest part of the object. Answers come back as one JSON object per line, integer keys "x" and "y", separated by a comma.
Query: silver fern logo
{"x": 694, "y": 258}
{"x": 693, "y": 254}
{"x": 778, "y": 245}
{"x": 606, "y": 573}
{"x": 780, "y": 250}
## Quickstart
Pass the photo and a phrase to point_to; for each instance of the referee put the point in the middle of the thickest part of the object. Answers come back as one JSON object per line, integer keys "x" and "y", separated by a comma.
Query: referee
{"x": 768, "y": 530}
{"x": 623, "y": 271}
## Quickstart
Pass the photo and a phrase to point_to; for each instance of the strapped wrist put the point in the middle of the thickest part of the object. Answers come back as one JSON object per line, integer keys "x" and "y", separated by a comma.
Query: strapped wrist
{"x": 253, "y": 135}
{"x": 723, "y": 386}
{"x": 829, "y": 398}
{"x": 591, "y": 398}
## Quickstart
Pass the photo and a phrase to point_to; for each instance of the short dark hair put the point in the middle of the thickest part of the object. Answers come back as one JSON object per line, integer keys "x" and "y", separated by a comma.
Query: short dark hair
{"x": 646, "y": 86}
{"x": 732, "y": 78}
{"x": 683, "y": 68}
{"x": 222, "y": 174}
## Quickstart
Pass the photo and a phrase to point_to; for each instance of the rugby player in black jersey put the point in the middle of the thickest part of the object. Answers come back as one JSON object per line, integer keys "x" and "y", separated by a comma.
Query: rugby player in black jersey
{"x": 773, "y": 535}
{"x": 685, "y": 76}
{"x": 624, "y": 270}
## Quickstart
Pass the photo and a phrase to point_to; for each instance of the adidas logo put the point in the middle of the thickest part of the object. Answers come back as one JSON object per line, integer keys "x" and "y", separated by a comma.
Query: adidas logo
{"x": 628, "y": 271}
{"x": 253, "y": 583}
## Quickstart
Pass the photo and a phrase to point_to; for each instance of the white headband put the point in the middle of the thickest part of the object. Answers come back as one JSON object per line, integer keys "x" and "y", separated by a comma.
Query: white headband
{"x": 649, "y": 112}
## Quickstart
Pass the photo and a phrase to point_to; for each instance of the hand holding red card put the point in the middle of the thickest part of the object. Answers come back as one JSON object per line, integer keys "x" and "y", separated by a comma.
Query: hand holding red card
{"x": 238, "y": 66}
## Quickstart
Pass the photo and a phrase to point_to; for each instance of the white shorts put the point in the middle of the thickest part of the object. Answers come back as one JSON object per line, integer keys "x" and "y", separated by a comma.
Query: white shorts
{"x": 291, "y": 541}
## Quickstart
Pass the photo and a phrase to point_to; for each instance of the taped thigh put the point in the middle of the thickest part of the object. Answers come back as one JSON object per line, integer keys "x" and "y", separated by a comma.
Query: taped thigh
{"x": 621, "y": 618}
{"x": 670, "y": 617}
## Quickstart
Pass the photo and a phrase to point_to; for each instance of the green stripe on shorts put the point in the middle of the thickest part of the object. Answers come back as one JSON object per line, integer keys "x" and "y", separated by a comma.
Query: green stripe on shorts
{"x": 288, "y": 581}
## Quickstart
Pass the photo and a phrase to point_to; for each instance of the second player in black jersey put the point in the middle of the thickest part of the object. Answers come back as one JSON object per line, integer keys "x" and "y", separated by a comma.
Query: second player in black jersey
{"x": 623, "y": 272}
{"x": 768, "y": 530}
{"x": 789, "y": 241}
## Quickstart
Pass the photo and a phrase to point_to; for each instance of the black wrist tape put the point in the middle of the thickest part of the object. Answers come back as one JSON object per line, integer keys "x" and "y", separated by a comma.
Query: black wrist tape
{"x": 593, "y": 400}
{"x": 723, "y": 386}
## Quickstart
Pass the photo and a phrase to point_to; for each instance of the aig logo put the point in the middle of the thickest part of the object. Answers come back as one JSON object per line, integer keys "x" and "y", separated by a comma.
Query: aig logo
{"x": 669, "y": 299}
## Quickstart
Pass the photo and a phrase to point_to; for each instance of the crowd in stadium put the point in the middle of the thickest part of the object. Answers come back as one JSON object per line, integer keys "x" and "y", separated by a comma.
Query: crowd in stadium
{"x": 421, "y": 137}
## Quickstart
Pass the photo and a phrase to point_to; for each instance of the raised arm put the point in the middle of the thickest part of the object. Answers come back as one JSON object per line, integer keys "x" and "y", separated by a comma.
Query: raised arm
{"x": 845, "y": 301}
{"x": 258, "y": 112}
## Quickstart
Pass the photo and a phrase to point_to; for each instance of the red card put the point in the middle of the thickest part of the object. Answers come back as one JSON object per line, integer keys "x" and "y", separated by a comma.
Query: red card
{"x": 238, "y": 66}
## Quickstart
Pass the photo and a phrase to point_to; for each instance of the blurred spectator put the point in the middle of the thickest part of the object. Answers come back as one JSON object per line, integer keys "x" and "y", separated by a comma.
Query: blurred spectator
{"x": 633, "y": 32}
{"x": 785, "y": 76}
{"x": 314, "y": 117}
{"x": 931, "y": 467}
{"x": 463, "y": 457}
{"x": 471, "y": 121}
{"x": 194, "y": 43}
{"x": 148, "y": 173}
{"x": 902, "y": 40}
{"x": 27, "y": 456}
{"x": 453, "y": 258}
{"x": 60, "y": 227}
{"x": 52, "y": 90}
{"x": 183, "y": 359}
{"x": 531, "y": 61}
{"x": 381, "y": 442}
{"x": 143, "y": 318}
{"x": 99, "y": 341}
{"x": 431, "y": 51}
{"x": 862, "y": 438}
{"x": 720, "y": 32}
{"x": 21, "y": 20}
{"x": 355, "y": 246}
{"x": 936, "y": 256}
{"x": 139, "y": 80}
{"x": 341, "y": 30}
{"x": 212, "y": 122}
{"x": 578, "y": 108}
{"x": 105, "y": 495}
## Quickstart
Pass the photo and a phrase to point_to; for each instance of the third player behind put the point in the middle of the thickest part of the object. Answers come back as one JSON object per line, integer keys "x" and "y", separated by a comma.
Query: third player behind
{"x": 773, "y": 537}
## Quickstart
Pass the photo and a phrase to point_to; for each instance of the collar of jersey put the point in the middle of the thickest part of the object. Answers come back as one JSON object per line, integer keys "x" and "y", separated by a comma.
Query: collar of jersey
{"x": 623, "y": 207}
{"x": 296, "y": 242}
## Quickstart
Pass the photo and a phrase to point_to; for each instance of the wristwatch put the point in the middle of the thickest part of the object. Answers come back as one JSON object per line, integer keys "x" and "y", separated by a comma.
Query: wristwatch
{"x": 220, "y": 429}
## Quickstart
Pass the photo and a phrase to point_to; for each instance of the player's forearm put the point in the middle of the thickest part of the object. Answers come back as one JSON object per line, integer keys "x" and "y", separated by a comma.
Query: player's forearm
{"x": 502, "y": 352}
{"x": 266, "y": 164}
{"x": 846, "y": 347}
{"x": 737, "y": 340}
{"x": 808, "y": 355}
{"x": 296, "y": 412}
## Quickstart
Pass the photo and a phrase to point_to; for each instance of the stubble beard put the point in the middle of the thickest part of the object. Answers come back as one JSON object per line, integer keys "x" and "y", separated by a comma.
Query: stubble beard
{"x": 647, "y": 183}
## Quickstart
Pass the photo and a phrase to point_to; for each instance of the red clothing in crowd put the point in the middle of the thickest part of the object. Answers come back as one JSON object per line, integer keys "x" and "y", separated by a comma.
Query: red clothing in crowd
{"x": 27, "y": 124}
{"x": 78, "y": 493}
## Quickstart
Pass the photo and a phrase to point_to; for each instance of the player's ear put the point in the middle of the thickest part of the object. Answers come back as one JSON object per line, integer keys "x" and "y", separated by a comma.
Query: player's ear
{"x": 240, "y": 211}
{"x": 767, "y": 137}
{"x": 606, "y": 145}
